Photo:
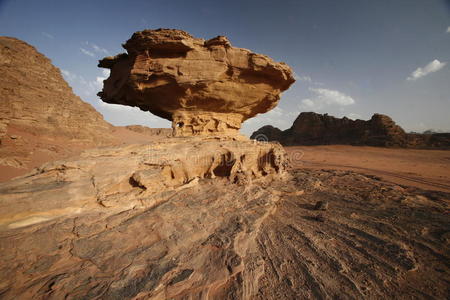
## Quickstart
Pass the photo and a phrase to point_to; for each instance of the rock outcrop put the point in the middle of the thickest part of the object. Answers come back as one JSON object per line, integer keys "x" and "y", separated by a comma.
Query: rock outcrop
{"x": 315, "y": 129}
{"x": 162, "y": 132}
{"x": 36, "y": 98}
{"x": 41, "y": 119}
{"x": 203, "y": 87}
{"x": 429, "y": 140}
{"x": 149, "y": 222}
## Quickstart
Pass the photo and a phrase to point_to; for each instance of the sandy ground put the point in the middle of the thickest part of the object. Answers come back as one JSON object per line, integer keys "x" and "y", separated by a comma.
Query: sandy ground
{"x": 426, "y": 169}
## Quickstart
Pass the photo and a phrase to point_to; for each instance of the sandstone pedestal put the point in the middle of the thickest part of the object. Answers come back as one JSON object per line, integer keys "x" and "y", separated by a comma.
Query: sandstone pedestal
{"x": 203, "y": 87}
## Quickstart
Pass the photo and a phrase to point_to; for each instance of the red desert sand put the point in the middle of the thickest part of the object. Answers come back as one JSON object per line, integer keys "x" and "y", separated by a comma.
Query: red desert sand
{"x": 426, "y": 169}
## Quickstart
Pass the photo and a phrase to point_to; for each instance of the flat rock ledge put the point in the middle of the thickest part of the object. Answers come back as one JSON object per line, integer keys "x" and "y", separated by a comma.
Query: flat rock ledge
{"x": 129, "y": 176}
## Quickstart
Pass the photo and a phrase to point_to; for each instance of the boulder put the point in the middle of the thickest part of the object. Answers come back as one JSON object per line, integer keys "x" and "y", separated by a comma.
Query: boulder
{"x": 203, "y": 87}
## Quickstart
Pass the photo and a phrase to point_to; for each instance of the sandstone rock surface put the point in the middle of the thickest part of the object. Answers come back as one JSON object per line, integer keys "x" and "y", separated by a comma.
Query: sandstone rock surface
{"x": 203, "y": 87}
{"x": 41, "y": 119}
{"x": 36, "y": 98}
{"x": 162, "y": 132}
{"x": 39, "y": 109}
{"x": 315, "y": 129}
{"x": 147, "y": 222}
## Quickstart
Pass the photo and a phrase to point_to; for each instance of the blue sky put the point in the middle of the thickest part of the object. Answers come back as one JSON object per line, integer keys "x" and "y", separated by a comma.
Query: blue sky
{"x": 351, "y": 57}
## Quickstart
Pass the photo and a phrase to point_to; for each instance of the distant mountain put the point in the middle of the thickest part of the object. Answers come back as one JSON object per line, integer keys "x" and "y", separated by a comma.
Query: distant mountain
{"x": 316, "y": 129}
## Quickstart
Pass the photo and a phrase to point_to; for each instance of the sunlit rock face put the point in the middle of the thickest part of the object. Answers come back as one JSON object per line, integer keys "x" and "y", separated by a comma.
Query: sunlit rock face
{"x": 203, "y": 87}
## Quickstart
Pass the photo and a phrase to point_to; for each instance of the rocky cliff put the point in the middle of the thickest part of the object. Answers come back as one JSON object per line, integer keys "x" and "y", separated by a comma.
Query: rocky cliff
{"x": 41, "y": 119}
{"x": 36, "y": 98}
{"x": 315, "y": 129}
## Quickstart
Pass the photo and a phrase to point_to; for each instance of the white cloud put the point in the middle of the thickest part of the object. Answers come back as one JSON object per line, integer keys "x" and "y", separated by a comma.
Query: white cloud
{"x": 98, "y": 83}
{"x": 308, "y": 103}
{"x": 275, "y": 117}
{"x": 96, "y": 48}
{"x": 106, "y": 72}
{"x": 448, "y": 29}
{"x": 117, "y": 106}
{"x": 353, "y": 116}
{"x": 276, "y": 112}
{"x": 332, "y": 96}
{"x": 293, "y": 114}
{"x": 433, "y": 66}
{"x": 68, "y": 75}
{"x": 99, "y": 49}
{"x": 302, "y": 78}
{"x": 306, "y": 79}
{"x": 89, "y": 87}
{"x": 87, "y": 52}
{"x": 325, "y": 97}
{"x": 47, "y": 35}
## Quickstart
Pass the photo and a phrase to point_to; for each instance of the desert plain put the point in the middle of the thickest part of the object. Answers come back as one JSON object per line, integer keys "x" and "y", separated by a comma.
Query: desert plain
{"x": 426, "y": 169}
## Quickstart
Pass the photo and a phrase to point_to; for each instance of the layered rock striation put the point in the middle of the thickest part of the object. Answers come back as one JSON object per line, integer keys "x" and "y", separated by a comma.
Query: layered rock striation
{"x": 35, "y": 98}
{"x": 203, "y": 87}
{"x": 145, "y": 222}
{"x": 41, "y": 119}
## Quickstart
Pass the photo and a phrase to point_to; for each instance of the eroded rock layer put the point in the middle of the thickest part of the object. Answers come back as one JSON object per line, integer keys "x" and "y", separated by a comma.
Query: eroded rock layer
{"x": 104, "y": 227}
{"x": 41, "y": 119}
{"x": 35, "y": 98}
{"x": 208, "y": 87}
{"x": 128, "y": 173}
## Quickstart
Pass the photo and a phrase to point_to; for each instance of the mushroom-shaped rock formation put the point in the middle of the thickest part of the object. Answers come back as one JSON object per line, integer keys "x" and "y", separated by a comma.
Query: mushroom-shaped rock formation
{"x": 203, "y": 87}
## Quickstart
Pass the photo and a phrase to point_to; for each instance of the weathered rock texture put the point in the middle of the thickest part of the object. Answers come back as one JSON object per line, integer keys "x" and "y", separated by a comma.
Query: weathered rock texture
{"x": 147, "y": 222}
{"x": 41, "y": 119}
{"x": 36, "y": 99}
{"x": 107, "y": 176}
{"x": 315, "y": 129}
{"x": 162, "y": 132}
{"x": 203, "y": 87}
{"x": 429, "y": 140}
